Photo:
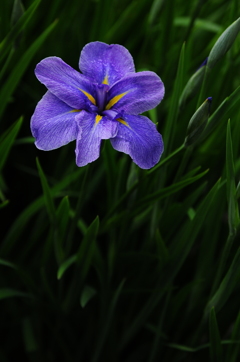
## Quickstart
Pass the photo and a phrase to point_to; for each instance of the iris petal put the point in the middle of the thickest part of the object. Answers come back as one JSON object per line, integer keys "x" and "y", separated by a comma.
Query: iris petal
{"x": 105, "y": 63}
{"x": 94, "y": 129}
{"x": 138, "y": 137}
{"x": 66, "y": 83}
{"x": 136, "y": 93}
{"x": 53, "y": 123}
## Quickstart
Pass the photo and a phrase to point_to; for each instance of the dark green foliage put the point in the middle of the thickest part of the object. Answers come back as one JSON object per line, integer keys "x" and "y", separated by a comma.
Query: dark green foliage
{"x": 109, "y": 262}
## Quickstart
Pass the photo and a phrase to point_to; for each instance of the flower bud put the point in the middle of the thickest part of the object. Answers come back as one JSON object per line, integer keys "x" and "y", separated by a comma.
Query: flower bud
{"x": 197, "y": 123}
{"x": 224, "y": 43}
{"x": 192, "y": 86}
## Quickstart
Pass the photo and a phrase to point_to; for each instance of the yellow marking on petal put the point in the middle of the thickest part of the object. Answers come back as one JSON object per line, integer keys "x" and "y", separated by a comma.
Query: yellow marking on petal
{"x": 90, "y": 97}
{"x": 75, "y": 110}
{"x": 98, "y": 119}
{"x": 105, "y": 80}
{"x": 114, "y": 100}
{"x": 123, "y": 122}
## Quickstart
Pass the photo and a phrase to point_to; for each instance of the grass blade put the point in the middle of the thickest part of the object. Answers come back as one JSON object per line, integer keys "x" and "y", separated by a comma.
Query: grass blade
{"x": 9, "y": 293}
{"x": 216, "y": 354}
{"x": 17, "y": 73}
{"x": 226, "y": 287}
{"x": 7, "y": 141}
{"x": 7, "y": 42}
{"x": 233, "y": 216}
{"x": 47, "y": 194}
{"x": 173, "y": 109}
{"x": 65, "y": 265}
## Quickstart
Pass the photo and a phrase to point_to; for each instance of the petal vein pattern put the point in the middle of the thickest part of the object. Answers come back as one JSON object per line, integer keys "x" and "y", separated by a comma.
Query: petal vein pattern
{"x": 101, "y": 61}
{"x": 140, "y": 140}
{"x": 53, "y": 123}
{"x": 143, "y": 91}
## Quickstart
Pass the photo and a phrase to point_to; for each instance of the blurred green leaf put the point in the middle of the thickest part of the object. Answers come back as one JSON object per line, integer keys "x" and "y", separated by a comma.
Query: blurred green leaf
{"x": 86, "y": 249}
{"x": 28, "y": 336}
{"x": 233, "y": 215}
{"x": 232, "y": 353}
{"x": 179, "y": 252}
{"x": 17, "y": 12}
{"x": 199, "y": 348}
{"x": 7, "y": 140}
{"x": 65, "y": 265}
{"x": 85, "y": 252}
{"x": 20, "y": 223}
{"x": 230, "y": 280}
{"x": 24, "y": 141}
{"x": 153, "y": 115}
{"x": 18, "y": 71}
{"x": 9, "y": 293}
{"x": 47, "y": 194}
{"x": 7, "y": 42}
{"x": 216, "y": 353}
{"x": 61, "y": 226}
{"x": 186, "y": 348}
{"x": 7, "y": 263}
{"x": 4, "y": 203}
{"x": 87, "y": 294}
{"x": 155, "y": 10}
{"x": 133, "y": 176}
{"x": 185, "y": 239}
{"x": 167, "y": 191}
{"x": 107, "y": 322}
{"x": 121, "y": 25}
{"x": 199, "y": 23}
{"x": 63, "y": 214}
{"x": 233, "y": 212}
{"x": 170, "y": 126}
{"x": 162, "y": 250}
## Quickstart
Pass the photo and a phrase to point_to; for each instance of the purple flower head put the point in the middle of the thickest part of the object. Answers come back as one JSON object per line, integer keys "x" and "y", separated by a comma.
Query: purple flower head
{"x": 104, "y": 102}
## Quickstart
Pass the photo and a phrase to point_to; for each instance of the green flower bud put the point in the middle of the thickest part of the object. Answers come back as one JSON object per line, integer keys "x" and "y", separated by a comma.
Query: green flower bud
{"x": 192, "y": 87}
{"x": 224, "y": 43}
{"x": 197, "y": 123}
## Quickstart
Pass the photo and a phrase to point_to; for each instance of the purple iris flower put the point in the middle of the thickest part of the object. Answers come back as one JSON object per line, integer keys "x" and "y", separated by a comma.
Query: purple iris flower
{"x": 104, "y": 102}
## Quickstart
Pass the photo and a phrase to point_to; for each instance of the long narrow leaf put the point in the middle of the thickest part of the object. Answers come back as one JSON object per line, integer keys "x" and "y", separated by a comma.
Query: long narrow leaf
{"x": 7, "y": 42}
{"x": 9, "y": 293}
{"x": 173, "y": 109}
{"x": 216, "y": 354}
{"x": 21, "y": 67}
{"x": 47, "y": 194}
{"x": 7, "y": 141}
{"x": 233, "y": 217}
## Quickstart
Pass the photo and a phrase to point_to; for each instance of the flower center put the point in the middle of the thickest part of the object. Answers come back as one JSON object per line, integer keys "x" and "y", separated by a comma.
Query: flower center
{"x": 101, "y": 96}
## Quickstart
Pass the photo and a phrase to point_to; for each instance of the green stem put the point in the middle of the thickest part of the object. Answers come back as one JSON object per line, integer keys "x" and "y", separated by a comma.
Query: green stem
{"x": 183, "y": 163}
{"x": 202, "y": 94}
